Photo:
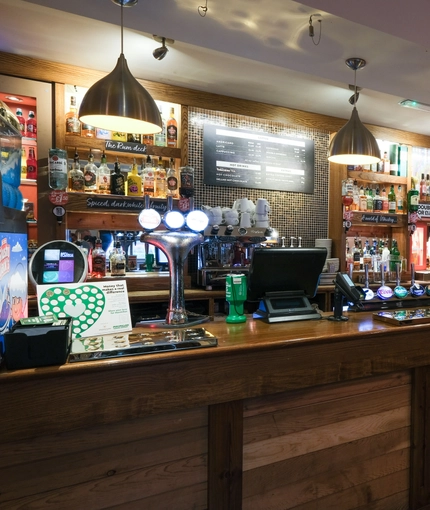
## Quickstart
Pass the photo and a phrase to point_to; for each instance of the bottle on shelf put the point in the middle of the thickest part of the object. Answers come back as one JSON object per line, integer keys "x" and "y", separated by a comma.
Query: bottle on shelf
{"x": 160, "y": 180}
{"x": 31, "y": 130}
{"x": 57, "y": 169}
{"x": 148, "y": 139}
{"x": 148, "y": 178}
{"x": 356, "y": 255}
{"x": 172, "y": 130}
{"x": 423, "y": 189}
{"x": 117, "y": 260}
{"x": 88, "y": 131}
{"x": 76, "y": 176}
{"x": 21, "y": 121}
{"x": 186, "y": 189}
{"x": 134, "y": 182}
{"x": 31, "y": 164}
{"x": 73, "y": 126}
{"x": 413, "y": 197}
{"x": 377, "y": 202}
{"x": 90, "y": 174}
{"x": 386, "y": 163}
{"x": 160, "y": 138}
{"x": 172, "y": 180}
{"x": 117, "y": 180}
{"x": 369, "y": 200}
{"x": 428, "y": 188}
{"x": 392, "y": 202}
{"x": 103, "y": 176}
{"x": 384, "y": 199}
{"x": 394, "y": 255}
{"x": 98, "y": 256}
{"x": 23, "y": 164}
{"x": 400, "y": 199}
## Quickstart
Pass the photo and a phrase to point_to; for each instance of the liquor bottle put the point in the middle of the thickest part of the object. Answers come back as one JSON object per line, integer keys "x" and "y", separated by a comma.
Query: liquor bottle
{"x": 172, "y": 180}
{"x": 31, "y": 131}
{"x": 384, "y": 199}
{"x": 160, "y": 180}
{"x": 73, "y": 126}
{"x": 377, "y": 202}
{"x": 428, "y": 187}
{"x": 413, "y": 198}
{"x": 386, "y": 163}
{"x": 90, "y": 174}
{"x": 23, "y": 164}
{"x": 31, "y": 164}
{"x": 148, "y": 178}
{"x": 99, "y": 259}
{"x": 134, "y": 137}
{"x": 148, "y": 139}
{"x": 103, "y": 176}
{"x": 394, "y": 255}
{"x": 160, "y": 138}
{"x": 21, "y": 121}
{"x": 134, "y": 182}
{"x": 172, "y": 130}
{"x": 423, "y": 189}
{"x": 356, "y": 256}
{"x": 117, "y": 261}
{"x": 117, "y": 180}
{"x": 400, "y": 199}
{"x": 186, "y": 189}
{"x": 392, "y": 200}
{"x": 88, "y": 131}
{"x": 76, "y": 176}
{"x": 370, "y": 200}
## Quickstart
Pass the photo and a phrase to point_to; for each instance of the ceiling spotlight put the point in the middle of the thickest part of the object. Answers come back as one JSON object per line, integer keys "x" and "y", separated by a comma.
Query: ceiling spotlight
{"x": 161, "y": 52}
{"x": 416, "y": 105}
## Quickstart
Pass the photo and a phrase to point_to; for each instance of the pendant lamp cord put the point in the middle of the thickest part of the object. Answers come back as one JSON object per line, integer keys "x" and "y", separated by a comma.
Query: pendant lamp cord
{"x": 122, "y": 28}
{"x": 355, "y": 86}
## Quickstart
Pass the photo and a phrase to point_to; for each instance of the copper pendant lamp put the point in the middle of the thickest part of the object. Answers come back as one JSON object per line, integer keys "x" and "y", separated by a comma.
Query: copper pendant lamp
{"x": 118, "y": 102}
{"x": 354, "y": 144}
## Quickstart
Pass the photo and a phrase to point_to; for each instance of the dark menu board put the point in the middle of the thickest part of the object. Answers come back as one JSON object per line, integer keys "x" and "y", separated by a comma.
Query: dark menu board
{"x": 252, "y": 159}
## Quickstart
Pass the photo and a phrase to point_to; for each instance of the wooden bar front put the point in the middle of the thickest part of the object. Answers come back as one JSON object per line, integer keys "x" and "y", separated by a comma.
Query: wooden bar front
{"x": 301, "y": 415}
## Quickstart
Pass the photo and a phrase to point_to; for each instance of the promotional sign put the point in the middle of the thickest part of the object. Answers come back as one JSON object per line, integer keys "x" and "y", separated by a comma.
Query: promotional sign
{"x": 98, "y": 308}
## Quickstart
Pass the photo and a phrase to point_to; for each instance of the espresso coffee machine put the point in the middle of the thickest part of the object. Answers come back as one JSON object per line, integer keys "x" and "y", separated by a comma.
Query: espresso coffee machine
{"x": 227, "y": 250}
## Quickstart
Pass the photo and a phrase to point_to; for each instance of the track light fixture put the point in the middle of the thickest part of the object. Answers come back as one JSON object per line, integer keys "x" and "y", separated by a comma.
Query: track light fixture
{"x": 161, "y": 52}
{"x": 354, "y": 144}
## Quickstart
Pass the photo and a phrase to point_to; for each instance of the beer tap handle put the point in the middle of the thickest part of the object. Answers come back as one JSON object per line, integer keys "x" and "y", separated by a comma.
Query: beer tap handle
{"x": 283, "y": 241}
{"x": 300, "y": 242}
{"x": 292, "y": 239}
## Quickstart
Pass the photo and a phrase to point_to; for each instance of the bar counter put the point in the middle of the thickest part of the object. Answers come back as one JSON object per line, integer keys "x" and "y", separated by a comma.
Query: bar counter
{"x": 298, "y": 415}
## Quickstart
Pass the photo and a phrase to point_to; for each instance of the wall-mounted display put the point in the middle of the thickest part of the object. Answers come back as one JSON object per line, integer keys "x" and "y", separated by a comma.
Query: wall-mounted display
{"x": 253, "y": 159}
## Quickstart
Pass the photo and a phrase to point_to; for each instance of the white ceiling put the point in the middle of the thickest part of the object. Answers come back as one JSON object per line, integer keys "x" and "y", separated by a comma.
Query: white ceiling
{"x": 252, "y": 49}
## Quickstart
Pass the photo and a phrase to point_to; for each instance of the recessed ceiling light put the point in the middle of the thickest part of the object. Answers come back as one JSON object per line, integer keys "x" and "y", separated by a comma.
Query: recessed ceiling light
{"x": 416, "y": 105}
{"x": 14, "y": 98}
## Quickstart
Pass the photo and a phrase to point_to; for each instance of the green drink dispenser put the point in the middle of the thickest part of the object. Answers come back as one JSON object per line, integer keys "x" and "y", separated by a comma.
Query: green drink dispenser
{"x": 235, "y": 294}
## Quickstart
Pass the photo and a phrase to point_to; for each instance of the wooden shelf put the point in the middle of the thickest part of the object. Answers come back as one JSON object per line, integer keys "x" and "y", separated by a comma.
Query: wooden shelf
{"x": 376, "y": 177}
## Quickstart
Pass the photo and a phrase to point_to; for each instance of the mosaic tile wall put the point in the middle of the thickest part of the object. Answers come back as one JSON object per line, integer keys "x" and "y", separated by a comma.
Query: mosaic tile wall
{"x": 292, "y": 214}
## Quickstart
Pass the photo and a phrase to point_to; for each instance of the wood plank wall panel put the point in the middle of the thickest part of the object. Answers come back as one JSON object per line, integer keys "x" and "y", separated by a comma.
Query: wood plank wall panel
{"x": 151, "y": 463}
{"x": 345, "y": 447}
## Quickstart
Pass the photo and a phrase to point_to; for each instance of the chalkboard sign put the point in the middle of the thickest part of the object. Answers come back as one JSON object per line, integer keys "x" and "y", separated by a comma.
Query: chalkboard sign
{"x": 252, "y": 159}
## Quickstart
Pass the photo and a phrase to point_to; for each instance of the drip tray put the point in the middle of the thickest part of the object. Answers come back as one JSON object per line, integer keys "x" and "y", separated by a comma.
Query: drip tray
{"x": 133, "y": 344}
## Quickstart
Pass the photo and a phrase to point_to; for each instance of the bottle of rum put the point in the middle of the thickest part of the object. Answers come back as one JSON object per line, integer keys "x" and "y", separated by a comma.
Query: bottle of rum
{"x": 117, "y": 180}
{"x": 172, "y": 130}
{"x": 172, "y": 180}
{"x": 186, "y": 189}
{"x": 148, "y": 139}
{"x": 103, "y": 176}
{"x": 31, "y": 164}
{"x": 31, "y": 131}
{"x": 99, "y": 259}
{"x": 90, "y": 174}
{"x": 76, "y": 176}
{"x": 117, "y": 261}
{"x": 21, "y": 121}
{"x": 134, "y": 182}
{"x": 160, "y": 180}
{"x": 73, "y": 126}
{"x": 148, "y": 178}
{"x": 88, "y": 131}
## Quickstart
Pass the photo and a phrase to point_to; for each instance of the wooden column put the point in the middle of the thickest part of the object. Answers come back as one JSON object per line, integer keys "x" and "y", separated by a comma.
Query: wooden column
{"x": 225, "y": 456}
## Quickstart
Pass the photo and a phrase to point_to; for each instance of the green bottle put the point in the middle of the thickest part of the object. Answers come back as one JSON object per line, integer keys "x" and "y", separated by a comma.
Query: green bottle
{"x": 392, "y": 200}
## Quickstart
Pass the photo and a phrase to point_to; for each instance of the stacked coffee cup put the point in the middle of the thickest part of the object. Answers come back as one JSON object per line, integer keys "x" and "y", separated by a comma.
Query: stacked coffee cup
{"x": 262, "y": 210}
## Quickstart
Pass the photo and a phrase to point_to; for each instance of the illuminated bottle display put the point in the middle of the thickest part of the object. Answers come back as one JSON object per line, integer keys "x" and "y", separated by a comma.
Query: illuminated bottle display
{"x": 103, "y": 176}
{"x": 99, "y": 259}
{"x": 134, "y": 182}
{"x": 148, "y": 178}
{"x": 76, "y": 176}
{"x": 172, "y": 180}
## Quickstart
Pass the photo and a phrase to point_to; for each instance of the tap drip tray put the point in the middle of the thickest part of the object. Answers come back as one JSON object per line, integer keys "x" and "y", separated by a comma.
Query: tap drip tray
{"x": 134, "y": 344}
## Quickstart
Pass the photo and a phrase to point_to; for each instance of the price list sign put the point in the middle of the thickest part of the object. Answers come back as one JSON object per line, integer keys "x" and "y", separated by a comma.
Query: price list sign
{"x": 252, "y": 159}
